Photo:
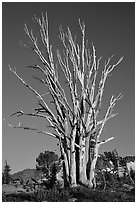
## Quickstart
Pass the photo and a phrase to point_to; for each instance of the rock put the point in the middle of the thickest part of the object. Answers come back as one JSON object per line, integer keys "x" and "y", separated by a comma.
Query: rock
{"x": 128, "y": 187}
{"x": 72, "y": 200}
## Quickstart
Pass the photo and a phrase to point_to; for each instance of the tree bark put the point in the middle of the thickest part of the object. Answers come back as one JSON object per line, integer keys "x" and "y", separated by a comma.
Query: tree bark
{"x": 65, "y": 166}
{"x": 66, "y": 171}
{"x": 73, "y": 159}
{"x": 83, "y": 161}
{"x": 93, "y": 165}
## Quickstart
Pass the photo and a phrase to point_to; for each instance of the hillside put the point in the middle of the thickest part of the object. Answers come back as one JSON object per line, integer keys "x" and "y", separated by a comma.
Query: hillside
{"x": 26, "y": 174}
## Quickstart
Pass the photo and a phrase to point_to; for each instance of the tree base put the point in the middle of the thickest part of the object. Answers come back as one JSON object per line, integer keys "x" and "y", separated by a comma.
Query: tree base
{"x": 86, "y": 183}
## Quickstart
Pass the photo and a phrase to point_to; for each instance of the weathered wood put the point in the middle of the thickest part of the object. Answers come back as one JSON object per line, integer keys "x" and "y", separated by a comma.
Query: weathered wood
{"x": 74, "y": 123}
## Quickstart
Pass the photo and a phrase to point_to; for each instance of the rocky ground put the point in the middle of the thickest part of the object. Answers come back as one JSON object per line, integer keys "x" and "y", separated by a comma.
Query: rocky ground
{"x": 78, "y": 194}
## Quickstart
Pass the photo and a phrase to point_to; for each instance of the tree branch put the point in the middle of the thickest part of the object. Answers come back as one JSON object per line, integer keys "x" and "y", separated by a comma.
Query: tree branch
{"x": 36, "y": 93}
{"x": 109, "y": 117}
{"x": 105, "y": 141}
{"x": 21, "y": 113}
{"x": 105, "y": 73}
{"x": 34, "y": 129}
{"x": 109, "y": 111}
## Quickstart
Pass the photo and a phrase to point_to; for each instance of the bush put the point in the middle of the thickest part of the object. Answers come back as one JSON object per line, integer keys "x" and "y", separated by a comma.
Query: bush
{"x": 84, "y": 194}
{"x": 40, "y": 195}
{"x": 17, "y": 197}
{"x": 80, "y": 194}
{"x": 58, "y": 194}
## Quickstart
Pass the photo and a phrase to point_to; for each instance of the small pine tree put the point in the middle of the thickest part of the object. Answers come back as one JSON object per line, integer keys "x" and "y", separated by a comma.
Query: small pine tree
{"x": 6, "y": 174}
{"x": 44, "y": 160}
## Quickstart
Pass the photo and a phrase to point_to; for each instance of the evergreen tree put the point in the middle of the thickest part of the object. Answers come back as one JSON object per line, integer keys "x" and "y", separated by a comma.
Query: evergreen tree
{"x": 44, "y": 161}
{"x": 6, "y": 174}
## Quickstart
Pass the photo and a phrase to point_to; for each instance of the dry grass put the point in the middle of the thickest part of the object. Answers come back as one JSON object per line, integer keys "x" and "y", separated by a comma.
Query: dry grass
{"x": 9, "y": 188}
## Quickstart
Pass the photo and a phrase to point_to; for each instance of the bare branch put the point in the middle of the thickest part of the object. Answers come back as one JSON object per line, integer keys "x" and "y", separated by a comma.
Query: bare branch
{"x": 109, "y": 117}
{"x": 36, "y": 93}
{"x": 34, "y": 129}
{"x": 109, "y": 112}
{"x": 64, "y": 66}
{"x": 82, "y": 27}
{"x": 113, "y": 66}
{"x": 57, "y": 90}
{"x": 105, "y": 141}
{"x": 21, "y": 113}
{"x": 105, "y": 73}
{"x": 18, "y": 113}
{"x": 43, "y": 23}
{"x": 36, "y": 48}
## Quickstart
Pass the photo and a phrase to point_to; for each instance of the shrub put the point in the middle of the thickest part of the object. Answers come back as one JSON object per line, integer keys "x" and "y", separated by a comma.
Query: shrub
{"x": 55, "y": 194}
{"x": 40, "y": 195}
{"x": 58, "y": 194}
{"x": 17, "y": 197}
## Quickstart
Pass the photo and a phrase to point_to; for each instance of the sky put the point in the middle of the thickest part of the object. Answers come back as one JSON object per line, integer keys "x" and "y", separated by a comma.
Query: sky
{"x": 110, "y": 26}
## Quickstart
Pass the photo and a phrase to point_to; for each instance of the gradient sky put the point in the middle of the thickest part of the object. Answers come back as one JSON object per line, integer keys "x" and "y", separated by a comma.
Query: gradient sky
{"x": 110, "y": 26}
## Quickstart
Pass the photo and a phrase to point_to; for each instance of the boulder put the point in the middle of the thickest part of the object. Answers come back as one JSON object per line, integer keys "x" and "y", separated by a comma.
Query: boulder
{"x": 128, "y": 187}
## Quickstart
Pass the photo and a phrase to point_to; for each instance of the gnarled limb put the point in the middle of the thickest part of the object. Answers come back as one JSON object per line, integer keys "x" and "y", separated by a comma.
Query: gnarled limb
{"x": 34, "y": 129}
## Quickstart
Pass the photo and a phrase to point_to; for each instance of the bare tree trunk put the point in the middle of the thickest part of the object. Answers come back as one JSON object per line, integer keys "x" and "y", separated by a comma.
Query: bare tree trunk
{"x": 87, "y": 157}
{"x": 65, "y": 166}
{"x": 66, "y": 156}
{"x": 66, "y": 171}
{"x": 73, "y": 159}
{"x": 93, "y": 165}
{"x": 82, "y": 142}
{"x": 83, "y": 163}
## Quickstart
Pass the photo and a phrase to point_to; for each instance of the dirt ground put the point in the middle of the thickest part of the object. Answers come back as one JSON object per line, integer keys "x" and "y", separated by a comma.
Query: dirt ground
{"x": 9, "y": 188}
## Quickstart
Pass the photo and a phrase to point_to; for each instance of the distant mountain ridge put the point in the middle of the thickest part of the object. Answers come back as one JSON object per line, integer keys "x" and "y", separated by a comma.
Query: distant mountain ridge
{"x": 26, "y": 174}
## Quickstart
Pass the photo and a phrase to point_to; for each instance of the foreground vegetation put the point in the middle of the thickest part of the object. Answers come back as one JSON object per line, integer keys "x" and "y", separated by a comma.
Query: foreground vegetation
{"x": 46, "y": 182}
{"x": 77, "y": 194}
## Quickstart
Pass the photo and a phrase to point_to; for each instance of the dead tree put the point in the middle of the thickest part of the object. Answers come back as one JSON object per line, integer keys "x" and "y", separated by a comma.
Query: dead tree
{"x": 74, "y": 124}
